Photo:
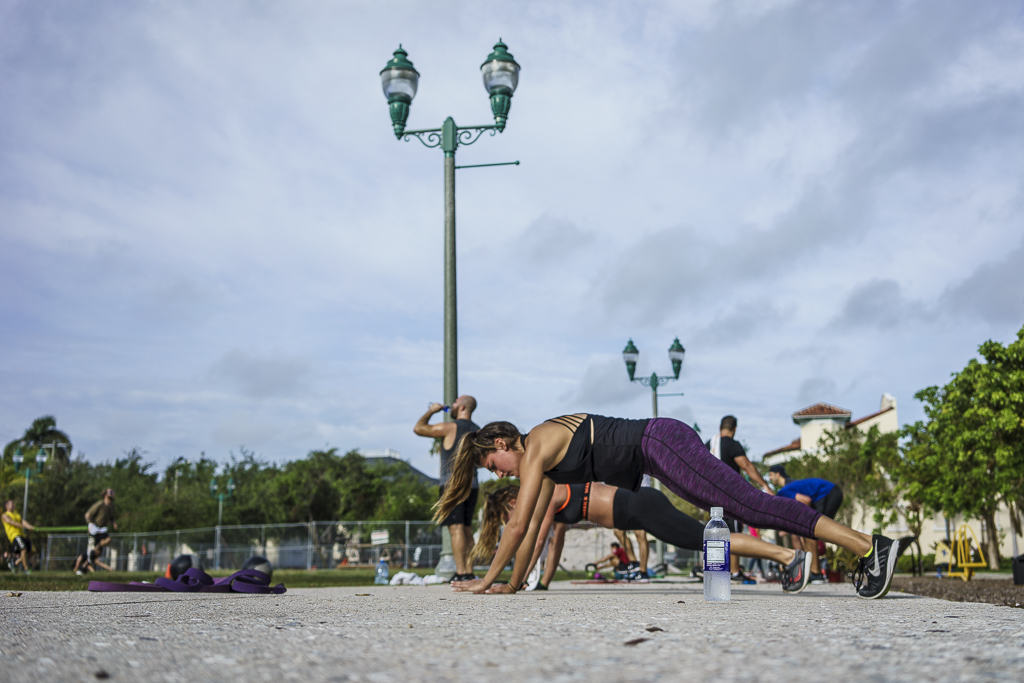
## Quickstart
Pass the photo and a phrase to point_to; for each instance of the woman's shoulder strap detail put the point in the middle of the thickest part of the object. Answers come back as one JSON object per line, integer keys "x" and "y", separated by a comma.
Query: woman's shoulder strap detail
{"x": 570, "y": 422}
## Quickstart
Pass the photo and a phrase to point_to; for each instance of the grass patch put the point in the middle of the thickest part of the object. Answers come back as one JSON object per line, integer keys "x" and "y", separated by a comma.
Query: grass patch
{"x": 291, "y": 578}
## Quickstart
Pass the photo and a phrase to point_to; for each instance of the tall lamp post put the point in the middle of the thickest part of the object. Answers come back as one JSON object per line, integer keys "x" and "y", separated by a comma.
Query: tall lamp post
{"x": 221, "y": 496}
{"x": 41, "y": 459}
{"x": 400, "y": 80}
{"x": 675, "y": 354}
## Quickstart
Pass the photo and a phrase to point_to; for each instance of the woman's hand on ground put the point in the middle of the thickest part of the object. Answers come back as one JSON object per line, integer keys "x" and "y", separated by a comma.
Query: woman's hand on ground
{"x": 501, "y": 588}
{"x": 475, "y": 586}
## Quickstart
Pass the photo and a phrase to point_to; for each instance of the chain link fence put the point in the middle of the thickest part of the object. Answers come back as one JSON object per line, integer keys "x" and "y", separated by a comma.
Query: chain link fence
{"x": 316, "y": 545}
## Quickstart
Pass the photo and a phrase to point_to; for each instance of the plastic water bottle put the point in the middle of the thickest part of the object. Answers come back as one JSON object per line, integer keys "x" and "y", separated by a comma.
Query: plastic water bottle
{"x": 716, "y": 558}
{"x": 382, "y": 572}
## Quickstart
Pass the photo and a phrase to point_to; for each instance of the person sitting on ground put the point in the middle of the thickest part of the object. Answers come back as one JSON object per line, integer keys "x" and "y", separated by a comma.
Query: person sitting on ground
{"x": 820, "y": 494}
{"x": 617, "y": 559}
{"x": 613, "y": 507}
{"x": 84, "y": 564}
{"x": 16, "y": 527}
{"x": 583, "y": 448}
{"x": 634, "y": 569}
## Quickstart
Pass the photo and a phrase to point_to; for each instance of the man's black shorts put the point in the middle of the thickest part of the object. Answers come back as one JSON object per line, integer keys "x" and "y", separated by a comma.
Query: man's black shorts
{"x": 100, "y": 537}
{"x": 828, "y": 504}
{"x": 463, "y": 512}
{"x": 21, "y": 543}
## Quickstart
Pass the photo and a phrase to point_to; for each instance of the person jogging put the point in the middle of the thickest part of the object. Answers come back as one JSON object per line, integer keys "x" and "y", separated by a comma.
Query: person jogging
{"x": 820, "y": 494}
{"x": 100, "y": 518}
{"x": 16, "y": 527}
{"x": 648, "y": 509}
{"x": 459, "y": 519}
{"x": 581, "y": 448}
{"x": 726, "y": 448}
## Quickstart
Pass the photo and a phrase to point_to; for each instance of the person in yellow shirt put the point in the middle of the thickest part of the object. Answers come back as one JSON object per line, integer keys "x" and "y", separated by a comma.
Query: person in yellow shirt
{"x": 15, "y": 528}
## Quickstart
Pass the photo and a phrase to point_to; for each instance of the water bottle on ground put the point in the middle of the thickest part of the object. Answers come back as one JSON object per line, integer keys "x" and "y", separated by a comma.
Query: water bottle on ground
{"x": 716, "y": 558}
{"x": 382, "y": 572}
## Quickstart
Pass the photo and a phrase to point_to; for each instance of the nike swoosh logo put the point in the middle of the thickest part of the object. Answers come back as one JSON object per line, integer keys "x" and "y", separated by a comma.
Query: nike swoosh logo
{"x": 877, "y": 569}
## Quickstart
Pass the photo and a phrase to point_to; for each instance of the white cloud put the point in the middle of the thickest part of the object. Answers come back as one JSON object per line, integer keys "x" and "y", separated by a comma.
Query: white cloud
{"x": 211, "y": 236}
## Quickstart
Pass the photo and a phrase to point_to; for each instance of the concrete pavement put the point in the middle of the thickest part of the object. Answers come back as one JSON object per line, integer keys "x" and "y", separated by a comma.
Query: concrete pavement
{"x": 572, "y": 632}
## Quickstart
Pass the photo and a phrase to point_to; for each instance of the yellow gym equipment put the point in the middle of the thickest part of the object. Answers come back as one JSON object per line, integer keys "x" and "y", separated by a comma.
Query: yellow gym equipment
{"x": 962, "y": 552}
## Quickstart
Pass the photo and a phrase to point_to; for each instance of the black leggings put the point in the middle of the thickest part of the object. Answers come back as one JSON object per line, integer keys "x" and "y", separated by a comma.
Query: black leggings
{"x": 649, "y": 510}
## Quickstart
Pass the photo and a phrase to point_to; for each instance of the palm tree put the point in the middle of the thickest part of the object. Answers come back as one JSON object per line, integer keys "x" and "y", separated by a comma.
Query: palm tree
{"x": 42, "y": 432}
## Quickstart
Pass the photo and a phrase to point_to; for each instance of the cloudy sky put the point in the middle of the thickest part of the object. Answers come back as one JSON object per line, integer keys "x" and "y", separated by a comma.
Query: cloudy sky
{"x": 210, "y": 238}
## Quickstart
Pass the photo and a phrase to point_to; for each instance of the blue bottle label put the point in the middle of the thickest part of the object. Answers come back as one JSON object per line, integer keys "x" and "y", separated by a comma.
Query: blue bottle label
{"x": 716, "y": 556}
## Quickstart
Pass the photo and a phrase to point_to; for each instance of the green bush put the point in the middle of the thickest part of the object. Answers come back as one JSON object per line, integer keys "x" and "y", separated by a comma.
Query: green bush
{"x": 906, "y": 563}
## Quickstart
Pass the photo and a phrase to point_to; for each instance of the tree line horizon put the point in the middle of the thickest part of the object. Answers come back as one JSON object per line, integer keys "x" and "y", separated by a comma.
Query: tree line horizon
{"x": 966, "y": 458}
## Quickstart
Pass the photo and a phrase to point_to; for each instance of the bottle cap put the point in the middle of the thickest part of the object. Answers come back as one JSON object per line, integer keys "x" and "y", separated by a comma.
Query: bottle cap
{"x": 716, "y": 513}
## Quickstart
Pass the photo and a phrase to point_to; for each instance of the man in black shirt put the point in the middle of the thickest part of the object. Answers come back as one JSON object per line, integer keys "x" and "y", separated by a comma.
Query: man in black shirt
{"x": 460, "y": 522}
{"x": 727, "y": 449}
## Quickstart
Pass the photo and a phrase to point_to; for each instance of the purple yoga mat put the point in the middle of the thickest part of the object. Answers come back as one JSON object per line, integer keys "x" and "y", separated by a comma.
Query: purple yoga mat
{"x": 197, "y": 581}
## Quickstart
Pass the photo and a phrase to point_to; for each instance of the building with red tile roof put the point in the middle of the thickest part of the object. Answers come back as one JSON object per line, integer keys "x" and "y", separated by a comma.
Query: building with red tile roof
{"x": 818, "y": 419}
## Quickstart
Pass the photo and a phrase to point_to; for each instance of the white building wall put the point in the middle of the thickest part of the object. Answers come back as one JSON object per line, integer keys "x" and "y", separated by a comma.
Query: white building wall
{"x": 815, "y": 428}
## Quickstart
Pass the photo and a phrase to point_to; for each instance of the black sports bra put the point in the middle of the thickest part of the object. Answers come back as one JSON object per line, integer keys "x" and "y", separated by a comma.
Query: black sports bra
{"x": 576, "y": 505}
{"x": 605, "y": 449}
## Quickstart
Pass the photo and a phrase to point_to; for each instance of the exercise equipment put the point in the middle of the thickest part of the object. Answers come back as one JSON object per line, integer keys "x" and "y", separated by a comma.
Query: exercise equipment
{"x": 181, "y": 564}
{"x": 260, "y": 564}
{"x": 962, "y": 556}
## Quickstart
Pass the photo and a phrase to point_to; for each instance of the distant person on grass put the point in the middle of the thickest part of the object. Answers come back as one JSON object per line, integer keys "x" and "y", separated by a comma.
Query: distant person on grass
{"x": 820, "y": 494}
{"x": 15, "y": 527}
{"x": 100, "y": 519}
{"x": 460, "y": 520}
{"x": 726, "y": 448}
{"x": 83, "y": 564}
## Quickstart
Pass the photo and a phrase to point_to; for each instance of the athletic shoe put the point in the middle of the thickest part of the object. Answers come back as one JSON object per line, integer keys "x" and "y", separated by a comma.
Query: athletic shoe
{"x": 874, "y": 573}
{"x": 797, "y": 573}
{"x": 79, "y": 572}
{"x": 739, "y": 576}
{"x": 817, "y": 579}
{"x": 540, "y": 587}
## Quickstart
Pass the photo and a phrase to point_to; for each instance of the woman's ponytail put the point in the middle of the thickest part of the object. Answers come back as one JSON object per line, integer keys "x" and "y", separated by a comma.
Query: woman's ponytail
{"x": 496, "y": 504}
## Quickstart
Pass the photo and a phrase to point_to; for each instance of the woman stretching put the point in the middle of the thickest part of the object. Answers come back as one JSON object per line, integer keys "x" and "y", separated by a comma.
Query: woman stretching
{"x": 647, "y": 509}
{"x": 576, "y": 449}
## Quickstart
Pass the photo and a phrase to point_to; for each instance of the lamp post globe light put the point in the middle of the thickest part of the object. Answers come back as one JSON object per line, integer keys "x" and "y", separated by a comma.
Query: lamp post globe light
{"x": 630, "y": 355}
{"x": 675, "y": 354}
{"x": 41, "y": 459}
{"x": 400, "y": 80}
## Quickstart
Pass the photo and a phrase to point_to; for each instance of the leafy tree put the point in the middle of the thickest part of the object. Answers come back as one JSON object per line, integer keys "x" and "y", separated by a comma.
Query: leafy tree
{"x": 404, "y": 495}
{"x": 976, "y": 432}
{"x": 254, "y": 502}
{"x": 42, "y": 431}
{"x": 860, "y": 464}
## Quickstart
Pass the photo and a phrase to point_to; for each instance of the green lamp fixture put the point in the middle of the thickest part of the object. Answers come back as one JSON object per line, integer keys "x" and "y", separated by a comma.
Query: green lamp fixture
{"x": 675, "y": 354}
{"x": 18, "y": 459}
{"x": 399, "y": 79}
{"x": 630, "y": 354}
{"x": 40, "y": 459}
{"x": 501, "y": 76}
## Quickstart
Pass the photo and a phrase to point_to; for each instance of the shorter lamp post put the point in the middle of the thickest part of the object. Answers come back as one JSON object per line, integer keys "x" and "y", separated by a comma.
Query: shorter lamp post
{"x": 40, "y": 462}
{"x": 221, "y": 496}
{"x": 675, "y": 354}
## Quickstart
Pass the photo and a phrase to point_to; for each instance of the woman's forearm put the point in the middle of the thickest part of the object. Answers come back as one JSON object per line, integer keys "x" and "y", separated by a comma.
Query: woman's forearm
{"x": 511, "y": 539}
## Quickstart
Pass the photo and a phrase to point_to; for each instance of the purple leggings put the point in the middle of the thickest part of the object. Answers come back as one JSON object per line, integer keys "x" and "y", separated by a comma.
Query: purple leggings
{"x": 674, "y": 454}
